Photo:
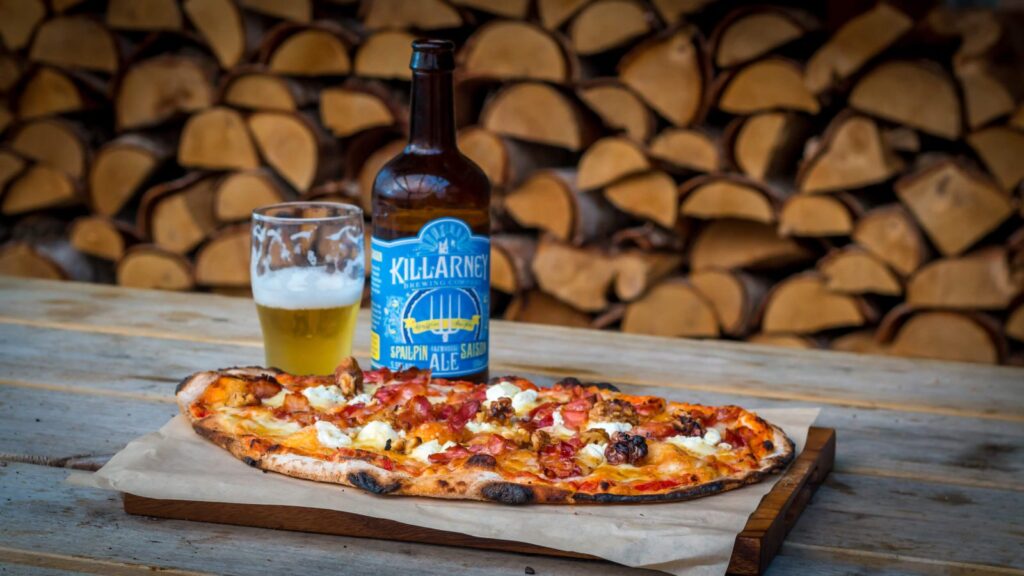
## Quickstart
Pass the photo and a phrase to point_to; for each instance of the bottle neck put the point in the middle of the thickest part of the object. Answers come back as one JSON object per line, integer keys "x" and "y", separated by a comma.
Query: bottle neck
{"x": 432, "y": 125}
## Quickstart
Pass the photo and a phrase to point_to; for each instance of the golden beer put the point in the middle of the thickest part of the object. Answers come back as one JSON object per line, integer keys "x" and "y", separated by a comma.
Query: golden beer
{"x": 308, "y": 341}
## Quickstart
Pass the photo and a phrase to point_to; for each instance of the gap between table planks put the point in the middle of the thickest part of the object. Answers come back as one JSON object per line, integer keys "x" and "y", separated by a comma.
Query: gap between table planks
{"x": 714, "y": 366}
{"x": 755, "y": 547}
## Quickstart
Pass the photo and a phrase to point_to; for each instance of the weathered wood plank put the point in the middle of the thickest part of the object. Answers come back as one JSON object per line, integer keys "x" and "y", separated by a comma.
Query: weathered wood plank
{"x": 43, "y": 514}
{"x": 880, "y": 442}
{"x": 735, "y": 368}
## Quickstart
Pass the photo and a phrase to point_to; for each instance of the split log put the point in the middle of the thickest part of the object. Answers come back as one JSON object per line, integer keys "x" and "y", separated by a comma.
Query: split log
{"x": 769, "y": 84}
{"x": 730, "y": 244}
{"x": 1015, "y": 324}
{"x": 19, "y": 20}
{"x": 223, "y": 261}
{"x": 100, "y": 237}
{"x": 747, "y": 34}
{"x": 955, "y": 205}
{"x": 223, "y": 27}
{"x": 217, "y": 138}
{"x": 517, "y": 9}
{"x": 783, "y": 341}
{"x": 237, "y": 195}
{"x": 39, "y": 187}
{"x": 650, "y": 196}
{"x": 579, "y": 277}
{"x": 300, "y": 11}
{"x": 609, "y": 160}
{"x": 150, "y": 267}
{"x": 889, "y": 233}
{"x": 21, "y": 260}
{"x": 62, "y": 6}
{"x": 859, "y": 342}
{"x": 368, "y": 171}
{"x": 735, "y": 296}
{"x": 315, "y": 50}
{"x": 252, "y": 89}
{"x": 942, "y": 335}
{"x": 636, "y": 271}
{"x": 852, "y": 155}
{"x": 649, "y": 238}
{"x": 295, "y": 147}
{"x": 10, "y": 72}
{"x": 618, "y": 107}
{"x": 986, "y": 97}
{"x": 551, "y": 201}
{"x": 916, "y": 94}
{"x": 75, "y": 42}
{"x": 178, "y": 215}
{"x": 49, "y": 92}
{"x": 538, "y": 113}
{"x": 686, "y": 150}
{"x": 56, "y": 143}
{"x": 11, "y": 166}
{"x": 979, "y": 30}
{"x": 120, "y": 168}
{"x": 713, "y": 197}
{"x": 511, "y": 256}
{"x": 1001, "y": 148}
{"x": 150, "y": 16}
{"x": 536, "y": 307}
{"x": 767, "y": 146}
{"x": 672, "y": 308}
{"x": 348, "y": 110}
{"x": 154, "y": 91}
{"x": 673, "y": 11}
{"x": 6, "y": 117}
{"x": 1017, "y": 120}
{"x": 802, "y": 304}
{"x": 853, "y": 270}
{"x": 608, "y": 24}
{"x": 505, "y": 161}
{"x": 423, "y": 15}
{"x": 385, "y": 55}
{"x": 668, "y": 73}
{"x": 510, "y": 50}
{"x": 981, "y": 280}
{"x": 902, "y": 139}
{"x": 554, "y": 13}
{"x": 858, "y": 41}
{"x": 817, "y": 216}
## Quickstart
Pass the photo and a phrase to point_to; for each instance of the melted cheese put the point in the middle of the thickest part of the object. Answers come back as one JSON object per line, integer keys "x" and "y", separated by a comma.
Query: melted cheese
{"x": 592, "y": 454}
{"x": 423, "y": 451}
{"x": 276, "y": 400}
{"x": 330, "y": 436}
{"x": 325, "y": 397}
{"x": 261, "y": 423}
{"x": 610, "y": 427}
{"x": 376, "y": 435}
{"x": 501, "y": 390}
{"x": 524, "y": 401}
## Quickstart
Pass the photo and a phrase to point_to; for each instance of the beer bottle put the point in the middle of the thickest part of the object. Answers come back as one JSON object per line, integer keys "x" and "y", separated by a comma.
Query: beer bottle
{"x": 430, "y": 281}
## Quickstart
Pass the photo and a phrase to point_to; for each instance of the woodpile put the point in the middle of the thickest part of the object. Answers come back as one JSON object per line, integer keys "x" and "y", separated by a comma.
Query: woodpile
{"x": 837, "y": 175}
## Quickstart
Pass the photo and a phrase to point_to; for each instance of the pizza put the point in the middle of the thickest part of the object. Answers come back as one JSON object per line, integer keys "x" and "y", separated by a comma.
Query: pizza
{"x": 508, "y": 441}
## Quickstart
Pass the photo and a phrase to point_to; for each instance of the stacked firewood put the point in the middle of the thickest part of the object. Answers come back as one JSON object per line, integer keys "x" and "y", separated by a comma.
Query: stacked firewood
{"x": 844, "y": 175}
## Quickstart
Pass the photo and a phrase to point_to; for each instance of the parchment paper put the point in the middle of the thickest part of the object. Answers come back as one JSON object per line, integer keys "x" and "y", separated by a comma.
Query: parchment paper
{"x": 693, "y": 537}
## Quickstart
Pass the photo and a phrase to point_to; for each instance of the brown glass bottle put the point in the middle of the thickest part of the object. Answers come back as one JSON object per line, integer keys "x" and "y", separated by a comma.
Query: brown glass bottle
{"x": 431, "y": 249}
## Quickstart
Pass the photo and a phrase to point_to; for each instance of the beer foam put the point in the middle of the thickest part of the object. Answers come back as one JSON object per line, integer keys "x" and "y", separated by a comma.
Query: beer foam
{"x": 306, "y": 289}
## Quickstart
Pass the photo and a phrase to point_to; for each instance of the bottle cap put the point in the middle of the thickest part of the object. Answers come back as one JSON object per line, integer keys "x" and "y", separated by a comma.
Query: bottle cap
{"x": 433, "y": 55}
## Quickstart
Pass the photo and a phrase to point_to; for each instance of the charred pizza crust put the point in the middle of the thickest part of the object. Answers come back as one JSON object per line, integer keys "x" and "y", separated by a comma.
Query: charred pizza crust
{"x": 477, "y": 480}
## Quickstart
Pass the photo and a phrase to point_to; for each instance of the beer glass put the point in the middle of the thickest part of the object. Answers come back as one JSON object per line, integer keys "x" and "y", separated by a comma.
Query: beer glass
{"x": 307, "y": 270}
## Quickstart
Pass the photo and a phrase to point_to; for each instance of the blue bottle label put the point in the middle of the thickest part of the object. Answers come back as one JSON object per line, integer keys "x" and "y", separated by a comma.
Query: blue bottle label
{"x": 431, "y": 300}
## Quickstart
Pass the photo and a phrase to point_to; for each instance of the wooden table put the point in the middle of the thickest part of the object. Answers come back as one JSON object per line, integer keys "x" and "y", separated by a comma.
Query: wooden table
{"x": 929, "y": 476}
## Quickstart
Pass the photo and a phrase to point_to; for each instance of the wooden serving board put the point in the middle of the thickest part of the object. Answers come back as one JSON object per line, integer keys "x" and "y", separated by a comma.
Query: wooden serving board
{"x": 755, "y": 546}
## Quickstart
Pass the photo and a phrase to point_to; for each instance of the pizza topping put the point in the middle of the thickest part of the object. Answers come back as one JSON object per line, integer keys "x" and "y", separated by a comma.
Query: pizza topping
{"x": 424, "y": 451}
{"x": 593, "y": 454}
{"x": 539, "y": 440}
{"x": 265, "y": 387}
{"x": 377, "y": 435}
{"x": 325, "y": 397}
{"x": 266, "y": 423}
{"x": 348, "y": 376}
{"x": 492, "y": 444}
{"x": 453, "y": 453}
{"x": 626, "y": 449}
{"x": 524, "y": 401}
{"x": 712, "y": 437}
{"x": 701, "y": 446}
{"x": 276, "y": 400}
{"x": 615, "y": 410}
{"x": 594, "y": 436}
{"x": 500, "y": 410}
{"x": 558, "y": 460}
{"x": 458, "y": 417}
{"x": 330, "y": 436}
{"x": 295, "y": 403}
{"x": 686, "y": 425}
{"x": 611, "y": 428}
{"x": 656, "y": 430}
{"x": 503, "y": 389}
